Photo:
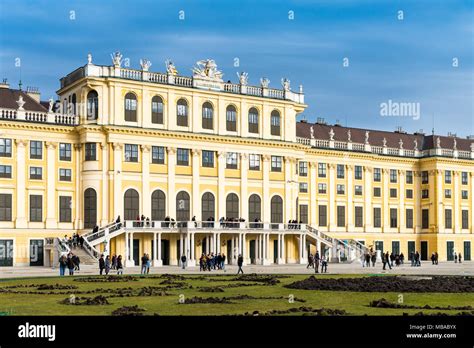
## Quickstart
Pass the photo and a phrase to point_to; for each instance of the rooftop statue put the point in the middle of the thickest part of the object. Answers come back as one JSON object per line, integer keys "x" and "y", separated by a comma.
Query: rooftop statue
{"x": 20, "y": 103}
{"x": 400, "y": 143}
{"x": 312, "y": 132}
{"x": 384, "y": 141}
{"x": 416, "y": 145}
{"x": 367, "y": 137}
{"x": 170, "y": 68}
{"x": 438, "y": 142}
{"x": 89, "y": 58}
{"x": 243, "y": 78}
{"x": 207, "y": 68}
{"x": 264, "y": 82}
{"x": 286, "y": 84}
{"x": 145, "y": 64}
{"x": 116, "y": 59}
{"x": 349, "y": 136}
{"x": 331, "y": 134}
{"x": 455, "y": 144}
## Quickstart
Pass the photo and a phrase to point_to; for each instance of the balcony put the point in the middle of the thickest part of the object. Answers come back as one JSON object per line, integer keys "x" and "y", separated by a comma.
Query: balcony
{"x": 39, "y": 117}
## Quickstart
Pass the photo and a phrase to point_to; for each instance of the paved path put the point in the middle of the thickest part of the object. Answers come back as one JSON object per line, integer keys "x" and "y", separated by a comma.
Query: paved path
{"x": 444, "y": 268}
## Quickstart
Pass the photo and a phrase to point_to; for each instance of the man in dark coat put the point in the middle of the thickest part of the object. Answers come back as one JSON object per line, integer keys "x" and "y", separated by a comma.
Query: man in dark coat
{"x": 240, "y": 262}
{"x": 316, "y": 262}
{"x": 386, "y": 260}
{"x": 101, "y": 264}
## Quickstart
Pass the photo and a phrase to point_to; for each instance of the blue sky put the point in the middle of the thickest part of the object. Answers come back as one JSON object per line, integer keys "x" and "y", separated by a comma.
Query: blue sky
{"x": 409, "y": 60}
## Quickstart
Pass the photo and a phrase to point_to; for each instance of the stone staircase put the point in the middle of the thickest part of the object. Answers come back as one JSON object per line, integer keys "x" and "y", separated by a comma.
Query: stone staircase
{"x": 84, "y": 256}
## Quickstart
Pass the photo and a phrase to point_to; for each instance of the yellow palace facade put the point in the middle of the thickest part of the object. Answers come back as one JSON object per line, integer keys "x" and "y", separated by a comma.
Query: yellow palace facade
{"x": 218, "y": 167}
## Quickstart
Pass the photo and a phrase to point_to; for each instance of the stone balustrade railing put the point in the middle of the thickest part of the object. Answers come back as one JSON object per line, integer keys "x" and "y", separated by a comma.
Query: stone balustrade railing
{"x": 381, "y": 150}
{"x": 39, "y": 117}
{"x": 190, "y": 82}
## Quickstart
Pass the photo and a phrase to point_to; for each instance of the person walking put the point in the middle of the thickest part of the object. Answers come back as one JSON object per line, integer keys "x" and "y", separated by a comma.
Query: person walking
{"x": 316, "y": 262}
{"x": 101, "y": 264}
{"x": 386, "y": 260}
{"x": 436, "y": 257}
{"x": 62, "y": 265}
{"x": 373, "y": 258}
{"x": 77, "y": 262}
{"x": 460, "y": 258}
{"x": 310, "y": 261}
{"x": 433, "y": 257}
{"x": 70, "y": 264}
{"x": 455, "y": 258}
{"x": 324, "y": 264}
{"x": 223, "y": 261}
{"x": 183, "y": 261}
{"x": 240, "y": 262}
{"x": 148, "y": 263}
{"x": 143, "y": 269}
{"x": 114, "y": 262}
{"x": 107, "y": 264}
{"x": 119, "y": 265}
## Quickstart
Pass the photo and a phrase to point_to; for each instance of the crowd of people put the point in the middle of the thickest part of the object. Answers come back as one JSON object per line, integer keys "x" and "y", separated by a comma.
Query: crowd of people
{"x": 74, "y": 241}
{"x": 70, "y": 262}
{"x": 211, "y": 262}
{"x": 106, "y": 264}
{"x": 317, "y": 260}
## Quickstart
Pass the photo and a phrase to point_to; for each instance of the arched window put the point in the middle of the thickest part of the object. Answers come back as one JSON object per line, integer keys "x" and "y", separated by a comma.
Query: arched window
{"x": 90, "y": 208}
{"x": 73, "y": 102}
{"x": 208, "y": 204}
{"x": 207, "y": 116}
{"x": 255, "y": 208}
{"x": 131, "y": 204}
{"x": 157, "y": 110}
{"x": 276, "y": 207}
{"x": 182, "y": 206}
{"x": 182, "y": 113}
{"x": 92, "y": 105}
{"x": 158, "y": 206}
{"x": 253, "y": 120}
{"x": 231, "y": 118}
{"x": 275, "y": 123}
{"x": 232, "y": 206}
{"x": 130, "y": 107}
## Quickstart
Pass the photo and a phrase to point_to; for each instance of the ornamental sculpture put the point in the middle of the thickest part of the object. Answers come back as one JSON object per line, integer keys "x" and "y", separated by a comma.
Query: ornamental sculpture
{"x": 400, "y": 143}
{"x": 286, "y": 84}
{"x": 438, "y": 142}
{"x": 311, "y": 130}
{"x": 367, "y": 137}
{"x": 170, "y": 68}
{"x": 145, "y": 64}
{"x": 243, "y": 78}
{"x": 384, "y": 142}
{"x": 455, "y": 144}
{"x": 264, "y": 82}
{"x": 20, "y": 103}
{"x": 331, "y": 134}
{"x": 89, "y": 58}
{"x": 349, "y": 136}
{"x": 415, "y": 147}
{"x": 207, "y": 69}
{"x": 116, "y": 59}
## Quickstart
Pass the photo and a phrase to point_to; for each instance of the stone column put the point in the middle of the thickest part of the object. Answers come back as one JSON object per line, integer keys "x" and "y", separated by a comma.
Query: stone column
{"x": 159, "y": 261}
{"x": 456, "y": 205}
{"x": 51, "y": 216}
{"x": 350, "y": 198}
{"x": 78, "y": 187}
{"x": 313, "y": 196}
{"x": 257, "y": 249}
{"x": 171, "y": 206}
{"x": 196, "y": 197}
{"x": 221, "y": 158}
{"x": 332, "y": 197}
{"x": 367, "y": 199}
{"x": 439, "y": 201}
{"x": 155, "y": 251}
{"x": 244, "y": 202}
{"x": 118, "y": 200}
{"x": 417, "y": 199}
{"x": 21, "y": 197}
{"x": 105, "y": 185}
{"x": 385, "y": 198}
{"x": 244, "y": 249}
{"x": 266, "y": 245}
{"x": 401, "y": 194}
{"x": 146, "y": 196}
{"x": 288, "y": 202}
{"x": 130, "y": 262}
{"x": 266, "y": 188}
{"x": 127, "y": 251}
{"x": 301, "y": 250}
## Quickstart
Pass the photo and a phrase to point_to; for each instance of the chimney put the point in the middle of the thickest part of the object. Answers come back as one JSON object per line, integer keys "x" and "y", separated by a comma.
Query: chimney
{"x": 4, "y": 84}
{"x": 34, "y": 93}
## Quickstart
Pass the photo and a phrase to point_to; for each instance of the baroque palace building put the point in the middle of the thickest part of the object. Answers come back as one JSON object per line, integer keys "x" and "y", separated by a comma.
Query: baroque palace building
{"x": 125, "y": 142}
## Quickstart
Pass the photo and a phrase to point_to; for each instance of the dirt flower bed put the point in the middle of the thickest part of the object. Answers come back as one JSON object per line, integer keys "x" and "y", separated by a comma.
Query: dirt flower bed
{"x": 306, "y": 310}
{"x": 444, "y": 284}
{"x": 128, "y": 311}
{"x": 383, "y": 303}
{"x": 105, "y": 279}
{"x": 86, "y": 301}
{"x": 230, "y": 299}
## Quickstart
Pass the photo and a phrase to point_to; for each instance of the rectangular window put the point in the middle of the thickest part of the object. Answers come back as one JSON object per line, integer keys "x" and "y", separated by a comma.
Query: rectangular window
{"x": 182, "y": 156}
{"x": 36, "y": 149}
{"x": 303, "y": 187}
{"x": 341, "y": 216}
{"x": 409, "y": 177}
{"x": 322, "y": 170}
{"x": 340, "y": 171}
{"x": 36, "y": 208}
{"x": 208, "y": 159}
{"x": 359, "y": 217}
{"x": 447, "y": 193}
{"x": 464, "y": 178}
{"x": 64, "y": 174}
{"x": 377, "y": 192}
{"x": 393, "y": 218}
{"x": 276, "y": 163}
{"x": 275, "y": 124}
{"x": 5, "y": 147}
{"x": 409, "y": 193}
{"x": 231, "y": 119}
{"x": 424, "y": 177}
{"x": 393, "y": 176}
{"x": 409, "y": 218}
{"x": 5, "y": 207}
{"x": 253, "y": 122}
{"x": 182, "y": 115}
{"x": 131, "y": 153}
{"x": 158, "y": 154}
{"x": 157, "y": 110}
{"x": 322, "y": 188}
{"x": 5, "y": 171}
{"x": 377, "y": 174}
{"x": 231, "y": 160}
{"x": 65, "y": 209}
{"x": 377, "y": 217}
{"x": 254, "y": 162}
{"x": 323, "y": 215}
{"x": 393, "y": 193}
{"x": 358, "y": 172}
{"x": 36, "y": 173}
{"x": 64, "y": 152}
{"x": 358, "y": 190}
{"x": 447, "y": 176}
{"x": 303, "y": 168}
{"x": 91, "y": 151}
{"x": 425, "y": 218}
{"x": 464, "y": 194}
{"x": 425, "y": 193}
{"x": 448, "y": 218}
{"x": 341, "y": 189}
{"x": 465, "y": 219}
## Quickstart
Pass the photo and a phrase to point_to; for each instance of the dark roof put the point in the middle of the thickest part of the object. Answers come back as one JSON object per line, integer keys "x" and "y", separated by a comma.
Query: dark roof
{"x": 8, "y": 98}
{"x": 321, "y": 131}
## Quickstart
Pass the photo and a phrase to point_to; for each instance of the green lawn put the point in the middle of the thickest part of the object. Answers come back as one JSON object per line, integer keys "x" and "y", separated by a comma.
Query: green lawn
{"x": 354, "y": 303}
